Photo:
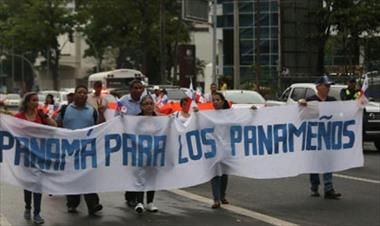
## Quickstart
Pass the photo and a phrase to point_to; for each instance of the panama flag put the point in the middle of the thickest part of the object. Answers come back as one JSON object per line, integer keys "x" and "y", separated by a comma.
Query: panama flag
{"x": 362, "y": 98}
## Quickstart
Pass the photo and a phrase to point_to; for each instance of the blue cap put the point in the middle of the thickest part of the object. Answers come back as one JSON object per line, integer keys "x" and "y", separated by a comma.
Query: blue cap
{"x": 324, "y": 80}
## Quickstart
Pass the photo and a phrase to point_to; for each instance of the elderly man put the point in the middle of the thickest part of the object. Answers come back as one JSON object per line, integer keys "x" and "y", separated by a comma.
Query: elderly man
{"x": 323, "y": 88}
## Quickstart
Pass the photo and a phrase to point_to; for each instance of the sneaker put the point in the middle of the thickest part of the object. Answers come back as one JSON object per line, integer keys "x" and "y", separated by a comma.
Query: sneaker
{"x": 139, "y": 208}
{"x": 71, "y": 209}
{"x": 332, "y": 194}
{"x": 27, "y": 214}
{"x": 315, "y": 194}
{"x": 216, "y": 205}
{"x": 151, "y": 207}
{"x": 38, "y": 219}
{"x": 95, "y": 209}
{"x": 225, "y": 201}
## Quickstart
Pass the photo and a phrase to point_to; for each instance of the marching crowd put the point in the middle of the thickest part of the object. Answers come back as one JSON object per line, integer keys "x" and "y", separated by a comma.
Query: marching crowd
{"x": 85, "y": 110}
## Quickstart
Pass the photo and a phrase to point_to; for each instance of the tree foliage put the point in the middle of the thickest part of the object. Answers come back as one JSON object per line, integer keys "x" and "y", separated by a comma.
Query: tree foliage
{"x": 34, "y": 26}
{"x": 351, "y": 22}
{"x": 132, "y": 28}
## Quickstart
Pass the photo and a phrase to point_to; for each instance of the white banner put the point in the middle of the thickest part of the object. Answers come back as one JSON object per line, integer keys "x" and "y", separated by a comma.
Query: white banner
{"x": 154, "y": 153}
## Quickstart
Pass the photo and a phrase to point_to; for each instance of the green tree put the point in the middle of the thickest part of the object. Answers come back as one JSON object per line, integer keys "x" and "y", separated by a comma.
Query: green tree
{"x": 36, "y": 26}
{"x": 133, "y": 29}
{"x": 352, "y": 21}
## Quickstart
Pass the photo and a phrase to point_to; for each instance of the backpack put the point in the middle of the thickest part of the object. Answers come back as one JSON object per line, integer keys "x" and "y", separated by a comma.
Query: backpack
{"x": 63, "y": 111}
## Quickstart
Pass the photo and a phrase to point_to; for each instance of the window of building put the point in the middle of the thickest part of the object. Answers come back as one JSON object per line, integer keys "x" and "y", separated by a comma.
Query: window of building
{"x": 264, "y": 6}
{"x": 273, "y": 5}
{"x": 228, "y": 8}
{"x": 228, "y": 48}
{"x": 246, "y": 20}
{"x": 264, "y": 46}
{"x": 246, "y": 33}
{"x": 246, "y": 47}
{"x": 246, "y": 59}
{"x": 246, "y": 7}
{"x": 264, "y": 19}
{"x": 274, "y": 19}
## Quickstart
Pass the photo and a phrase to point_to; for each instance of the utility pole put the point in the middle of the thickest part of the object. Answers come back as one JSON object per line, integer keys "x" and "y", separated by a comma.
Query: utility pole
{"x": 214, "y": 41}
{"x": 162, "y": 41}
{"x": 236, "y": 46}
{"x": 257, "y": 44}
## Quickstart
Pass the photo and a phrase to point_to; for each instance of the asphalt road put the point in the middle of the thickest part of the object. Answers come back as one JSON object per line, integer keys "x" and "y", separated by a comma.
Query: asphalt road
{"x": 253, "y": 202}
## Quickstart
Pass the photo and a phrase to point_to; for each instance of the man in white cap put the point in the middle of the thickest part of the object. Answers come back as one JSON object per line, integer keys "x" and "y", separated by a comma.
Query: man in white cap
{"x": 156, "y": 94}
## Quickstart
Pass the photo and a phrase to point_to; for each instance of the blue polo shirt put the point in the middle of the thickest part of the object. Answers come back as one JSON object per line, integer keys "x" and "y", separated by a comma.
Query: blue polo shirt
{"x": 132, "y": 106}
{"x": 77, "y": 117}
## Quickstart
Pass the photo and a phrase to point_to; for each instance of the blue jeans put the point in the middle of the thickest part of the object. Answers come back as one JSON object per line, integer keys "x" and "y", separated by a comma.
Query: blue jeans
{"x": 36, "y": 201}
{"x": 327, "y": 180}
{"x": 219, "y": 186}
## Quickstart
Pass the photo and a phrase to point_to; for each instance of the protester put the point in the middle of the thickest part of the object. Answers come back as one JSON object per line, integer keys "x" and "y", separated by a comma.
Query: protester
{"x": 163, "y": 99}
{"x": 219, "y": 183}
{"x": 156, "y": 94}
{"x": 96, "y": 99}
{"x": 62, "y": 110}
{"x": 147, "y": 109}
{"x": 49, "y": 106}
{"x": 183, "y": 115}
{"x": 323, "y": 87}
{"x": 79, "y": 115}
{"x": 130, "y": 105}
{"x": 29, "y": 111}
{"x": 208, "y": 96}
{"x": 351, "y": 92}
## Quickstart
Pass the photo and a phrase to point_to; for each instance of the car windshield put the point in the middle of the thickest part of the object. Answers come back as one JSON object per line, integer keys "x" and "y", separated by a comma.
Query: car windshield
{"x": 335, "y": 92}
{"x": 245, "y": 98}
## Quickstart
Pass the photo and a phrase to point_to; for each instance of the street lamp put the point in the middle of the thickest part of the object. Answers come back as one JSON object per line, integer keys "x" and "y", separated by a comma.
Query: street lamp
{"x": 4, "y": 57}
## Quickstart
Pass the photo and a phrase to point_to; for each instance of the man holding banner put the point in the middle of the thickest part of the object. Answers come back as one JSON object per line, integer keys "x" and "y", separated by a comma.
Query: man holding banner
{"x": 130, "y": 105}
{"x": 323, "y": 87}
{"x": 79, "y": 115}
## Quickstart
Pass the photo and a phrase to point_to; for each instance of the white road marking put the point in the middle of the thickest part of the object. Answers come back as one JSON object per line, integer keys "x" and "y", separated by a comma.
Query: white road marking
{"x": 235, "y": 209}
{"x": 4, "y": 221}
{"x": 357, "y": 178}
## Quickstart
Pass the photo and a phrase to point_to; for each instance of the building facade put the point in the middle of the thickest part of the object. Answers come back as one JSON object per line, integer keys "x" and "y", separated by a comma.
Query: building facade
{"x": 283, "y": 39}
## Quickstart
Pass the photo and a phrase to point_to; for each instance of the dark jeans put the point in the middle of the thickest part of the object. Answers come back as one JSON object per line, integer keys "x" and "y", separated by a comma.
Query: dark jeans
{"x": 327, "y": 180}
{"x": 91, "y": 199}
{"x": 130, "y": 196}
{"x": 219, "y": 187}
{"x": 36, "y": 201}
{"x": 149, "y": 196}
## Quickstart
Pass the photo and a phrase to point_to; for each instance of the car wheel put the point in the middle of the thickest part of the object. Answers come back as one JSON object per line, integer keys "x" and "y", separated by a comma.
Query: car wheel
{"x": 377, "y": 145}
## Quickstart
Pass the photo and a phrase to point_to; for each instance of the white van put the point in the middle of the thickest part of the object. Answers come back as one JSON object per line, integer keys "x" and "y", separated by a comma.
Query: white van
{"x": 116, "y": 79}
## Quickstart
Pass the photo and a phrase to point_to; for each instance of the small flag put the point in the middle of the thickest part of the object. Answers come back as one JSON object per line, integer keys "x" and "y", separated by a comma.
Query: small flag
{"x": 188, "y": 104}
{"x": 362, "y": 97}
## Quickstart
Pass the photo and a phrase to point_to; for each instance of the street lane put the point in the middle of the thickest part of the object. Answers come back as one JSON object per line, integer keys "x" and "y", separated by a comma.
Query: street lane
{"x": 289, "y": 198}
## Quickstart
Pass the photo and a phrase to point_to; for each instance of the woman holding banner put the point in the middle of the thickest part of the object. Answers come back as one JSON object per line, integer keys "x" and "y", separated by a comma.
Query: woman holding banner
{"x": 219, "y": 183}
{"x": 29, "y": 111}
{"x": 147, "y": 109}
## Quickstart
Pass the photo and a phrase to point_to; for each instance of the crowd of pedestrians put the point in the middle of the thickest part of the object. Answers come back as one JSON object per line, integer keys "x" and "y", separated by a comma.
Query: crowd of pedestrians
{"x": 85, "y": 110}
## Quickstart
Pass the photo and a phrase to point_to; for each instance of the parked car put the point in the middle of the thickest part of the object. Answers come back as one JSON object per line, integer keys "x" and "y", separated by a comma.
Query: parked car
{"x": 12, "y": 100}
{"x": 244, "y": 98}
{"x": 371, "y": 116}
